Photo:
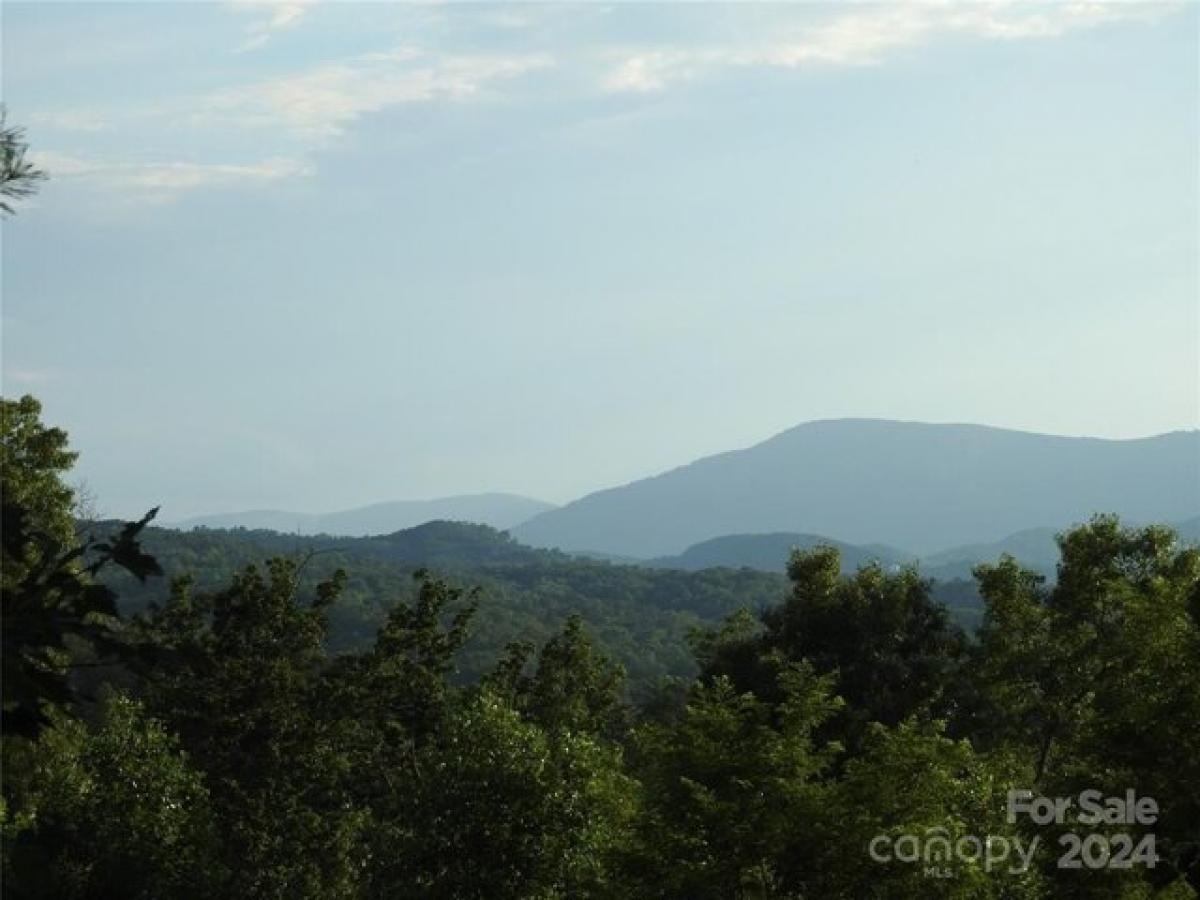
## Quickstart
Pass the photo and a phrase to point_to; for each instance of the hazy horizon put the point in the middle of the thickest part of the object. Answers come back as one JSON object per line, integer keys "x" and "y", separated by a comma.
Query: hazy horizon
{"x": 313, "y": 256}
{"x": 168, "y": 518}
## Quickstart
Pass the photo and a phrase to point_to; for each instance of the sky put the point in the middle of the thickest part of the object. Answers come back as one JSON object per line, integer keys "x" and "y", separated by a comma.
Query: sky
{"x": 312, "y": 255}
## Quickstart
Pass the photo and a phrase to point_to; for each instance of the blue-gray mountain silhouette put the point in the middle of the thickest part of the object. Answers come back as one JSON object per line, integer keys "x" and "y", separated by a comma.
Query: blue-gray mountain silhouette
{"x": 771, "y": 552}
{"x": 922, "y": 487}
{"x": 497, "y": 510}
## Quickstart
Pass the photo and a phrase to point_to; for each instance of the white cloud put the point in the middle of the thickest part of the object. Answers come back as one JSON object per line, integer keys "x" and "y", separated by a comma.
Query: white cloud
{"x": 869, "y": 35}
{"x": 293, "y": 112}
{"x": 274, "y": 16}
{"x": 321, "y": 102}
{"x": 69, "y": 120}
{"x": 162, "y": 181}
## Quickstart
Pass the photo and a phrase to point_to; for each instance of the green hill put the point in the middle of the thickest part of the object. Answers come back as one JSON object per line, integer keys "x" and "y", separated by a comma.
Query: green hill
{"x": 640, "y": 616}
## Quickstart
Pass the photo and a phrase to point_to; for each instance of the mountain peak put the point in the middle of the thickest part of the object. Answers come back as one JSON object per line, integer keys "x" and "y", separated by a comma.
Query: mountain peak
{"x": 910, "y": 484}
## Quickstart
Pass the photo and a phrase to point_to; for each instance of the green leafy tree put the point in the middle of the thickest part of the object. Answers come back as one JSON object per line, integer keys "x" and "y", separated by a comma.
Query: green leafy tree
{"x": 893, "y": 648}
{"x": 33, "y": 460}
{"x": 243, "y": 689}
{"x": 407, "y": 671}
{"x": 1096, "y": 679}
{"x": 390, "y": 702}
{"x": 573, "y": 688}
{"x": 113, "y": 812}
{"x": 912, "y": 783}
{"x": 725, "y": 788}
{"x": 495, "y": 807}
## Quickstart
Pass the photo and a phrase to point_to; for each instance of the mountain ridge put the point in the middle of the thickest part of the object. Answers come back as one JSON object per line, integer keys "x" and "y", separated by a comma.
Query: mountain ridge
{"x": 496, "y": 509}
{"x": 770, "y": 552}
{"x": 865, "y": 481}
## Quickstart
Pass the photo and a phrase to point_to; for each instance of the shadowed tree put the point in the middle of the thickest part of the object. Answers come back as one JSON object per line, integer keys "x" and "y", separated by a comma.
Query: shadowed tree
{"x": 242, "y": 684}
{"x": 892, "y": 648}
{"x": 55, "y": 609}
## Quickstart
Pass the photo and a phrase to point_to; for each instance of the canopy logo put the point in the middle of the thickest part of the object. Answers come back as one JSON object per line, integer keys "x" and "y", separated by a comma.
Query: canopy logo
{"x": 939, "y": 854}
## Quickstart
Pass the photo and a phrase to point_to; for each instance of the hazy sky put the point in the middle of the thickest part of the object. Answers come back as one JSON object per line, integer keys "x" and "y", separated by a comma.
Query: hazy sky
{"x": 311, "y": 255}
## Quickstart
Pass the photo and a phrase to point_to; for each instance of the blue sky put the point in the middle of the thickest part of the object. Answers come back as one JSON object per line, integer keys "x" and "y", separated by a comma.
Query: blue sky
{"x": 314, "y": 255}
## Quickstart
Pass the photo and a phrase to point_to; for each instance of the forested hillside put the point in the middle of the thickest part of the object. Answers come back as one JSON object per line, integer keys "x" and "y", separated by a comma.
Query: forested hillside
{"x": 1037, "y": 548}
{"x": 639, "y": 616}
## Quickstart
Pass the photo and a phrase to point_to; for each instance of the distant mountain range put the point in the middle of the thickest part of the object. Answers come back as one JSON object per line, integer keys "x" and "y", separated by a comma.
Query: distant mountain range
{"x": 500, "y": 511}
{"x": 867, "y": 481}
{"x": 1034, "y": 548}
{"x": 770, "y": 553}
{"x": 867, "y": 486}
{"x": 1189, "y": 530}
